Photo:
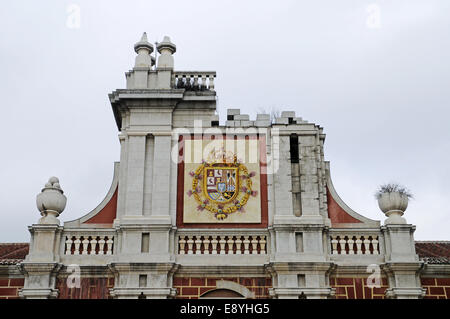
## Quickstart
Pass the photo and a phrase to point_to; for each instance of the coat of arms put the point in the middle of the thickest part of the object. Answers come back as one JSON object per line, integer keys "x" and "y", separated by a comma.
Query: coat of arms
{"x": 221, "y": 184}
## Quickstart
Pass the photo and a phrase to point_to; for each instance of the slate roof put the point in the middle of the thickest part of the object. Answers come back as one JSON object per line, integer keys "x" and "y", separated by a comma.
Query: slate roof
{"x": 13, "y": 253}
{"x": 434, "y": 252}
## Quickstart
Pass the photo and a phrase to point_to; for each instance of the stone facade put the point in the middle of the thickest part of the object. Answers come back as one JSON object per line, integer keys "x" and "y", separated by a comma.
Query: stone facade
{"x": 303, "y": 240}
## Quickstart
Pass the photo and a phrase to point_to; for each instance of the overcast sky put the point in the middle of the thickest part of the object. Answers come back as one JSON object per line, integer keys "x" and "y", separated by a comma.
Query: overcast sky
{"x": 374, "y": 74}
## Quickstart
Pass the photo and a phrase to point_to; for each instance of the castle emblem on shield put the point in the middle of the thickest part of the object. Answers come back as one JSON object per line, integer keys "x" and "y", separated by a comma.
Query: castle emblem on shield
{"x": 222, "y": 185}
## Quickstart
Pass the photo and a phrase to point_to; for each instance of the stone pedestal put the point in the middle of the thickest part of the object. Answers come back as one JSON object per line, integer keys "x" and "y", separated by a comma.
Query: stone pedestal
{"x": 39, "y": 280}
{"x": 402, "y": 264}
{"x": 41, "y": 264}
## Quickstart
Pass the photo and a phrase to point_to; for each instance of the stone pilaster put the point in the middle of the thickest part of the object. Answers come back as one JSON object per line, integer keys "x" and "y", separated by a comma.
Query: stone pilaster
{"x": 282, "y": 182}
{"x": 154, "y": 280}
{"x": 135, "y": 174}
{"x": 292, "y": 280}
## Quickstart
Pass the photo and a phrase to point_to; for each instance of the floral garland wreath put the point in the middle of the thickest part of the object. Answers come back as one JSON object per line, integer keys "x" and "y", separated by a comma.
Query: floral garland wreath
{"x": 222, "y": 211}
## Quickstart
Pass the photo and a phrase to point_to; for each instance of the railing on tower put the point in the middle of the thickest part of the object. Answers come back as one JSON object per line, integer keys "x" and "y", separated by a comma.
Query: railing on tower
{"x": 194, "y": 80}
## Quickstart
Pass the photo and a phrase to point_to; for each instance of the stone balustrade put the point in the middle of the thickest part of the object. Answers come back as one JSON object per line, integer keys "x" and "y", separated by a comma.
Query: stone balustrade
{"x": 194, "y": 81}
{"x": 350, "y": 244}
{"x": 222, "y": 245}
{"x": 89, "y": 244}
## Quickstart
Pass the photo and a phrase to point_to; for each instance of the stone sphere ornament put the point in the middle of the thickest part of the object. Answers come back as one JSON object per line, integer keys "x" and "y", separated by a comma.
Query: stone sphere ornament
{"x": 393, "y": 200}
{"x": 51, "y": 202}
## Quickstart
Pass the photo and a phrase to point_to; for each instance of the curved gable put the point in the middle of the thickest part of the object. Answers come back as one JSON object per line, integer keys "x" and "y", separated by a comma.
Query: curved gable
{"x": 105, "y": 213}
{"x": 340, "y": 214}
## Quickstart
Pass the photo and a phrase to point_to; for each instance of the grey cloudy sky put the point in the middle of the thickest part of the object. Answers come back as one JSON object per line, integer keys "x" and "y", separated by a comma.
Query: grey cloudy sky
{"x": 381, "y": 91}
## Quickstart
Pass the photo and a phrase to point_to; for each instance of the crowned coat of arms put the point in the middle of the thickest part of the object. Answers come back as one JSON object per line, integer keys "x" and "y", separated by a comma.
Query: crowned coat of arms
{"x": 221, "y": 185}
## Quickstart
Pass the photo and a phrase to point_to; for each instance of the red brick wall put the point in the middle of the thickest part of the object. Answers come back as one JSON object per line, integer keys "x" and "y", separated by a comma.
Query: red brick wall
{"x": 194, "y": 287}
{"x": 9, "y": 287}
{"x": 437, "y": 288}
{"x": 356, "y": 288}
{"x": 90, "y": 288}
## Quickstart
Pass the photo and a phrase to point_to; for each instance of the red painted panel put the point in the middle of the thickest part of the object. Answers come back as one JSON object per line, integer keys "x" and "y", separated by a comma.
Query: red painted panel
{"x": 344, "y": 281}
{"x": 336, "y": 213}
{"x": 8, "y": 291}
{"x": 350, "y": 293}
{"x": 428, "y": 281}
{"x": 437, "y": 290}
{"x": 198, "y": 281}
{"x": 16, "y": 282}
{"x": 188, "y": 291}
{"x": 359, "y": 288}
{"x": 443, "y": 281}
{"x": 107, "y": 214}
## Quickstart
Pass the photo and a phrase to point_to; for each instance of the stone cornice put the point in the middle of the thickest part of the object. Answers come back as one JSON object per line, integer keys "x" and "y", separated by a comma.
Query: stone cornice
{"x": 436, "y": 270}
{"x": 300, "y": 266}
{"x": 232, "y": 270}
{"x": 404, "y": 266}
{"x": 38, "y": 268}
{"x": 120, "y": 267}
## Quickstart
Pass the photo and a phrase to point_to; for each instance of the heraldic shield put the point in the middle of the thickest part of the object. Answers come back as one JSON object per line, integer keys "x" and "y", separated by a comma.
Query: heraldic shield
{"x": 221, "y": 183}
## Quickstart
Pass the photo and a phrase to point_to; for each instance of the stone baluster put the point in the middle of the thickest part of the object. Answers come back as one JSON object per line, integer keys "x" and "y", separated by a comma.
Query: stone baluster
{"x": 182, "y": 243}
{"x": 69, "y": 242}
{"x": 101, "y": 246}
{"x": 230, "y": 243}
{"x": 206, "y": 242}
{"x": 334, "y": 245}
{"x": 203, "y": 87}
{"x": 84, "y": 246}
{"x": 190, "y": 243}
{"x": 222, "y": 243}
{"x": 198, "y": 245}
{"x": 93, "y": 246}
{"x": 358, "y": 245}
{"x": 262, "y": 245}
{"x": 188, "y": 82}
{"x": 77, "y": 243}
{"x": 214, "y": 242}
{"x": 211, "y": 82}
{"x": 350, "y": 242}
{"x": 254, "y": 245}
{"x": 375, "y": 245}
{"x": 246, "y": 245}
{"x": 109, "y": 244}
{"x": 195, "y": 85}
{"x": 366, "y": 246}
{"x": 238, "y": 245}
{"x": 342, "y": 242}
